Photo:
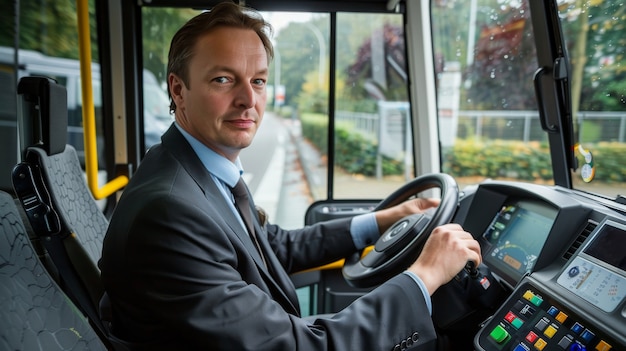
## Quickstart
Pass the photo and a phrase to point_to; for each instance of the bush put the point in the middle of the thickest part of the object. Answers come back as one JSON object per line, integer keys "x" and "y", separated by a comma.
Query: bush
{"x": 467, "y": 158}
{"x": 527, "y": 161}
{"x": 354, "y": 153}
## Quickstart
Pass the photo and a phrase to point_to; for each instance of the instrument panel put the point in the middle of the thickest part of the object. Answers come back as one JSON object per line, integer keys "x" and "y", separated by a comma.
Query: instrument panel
{"x": 562, "y": 254}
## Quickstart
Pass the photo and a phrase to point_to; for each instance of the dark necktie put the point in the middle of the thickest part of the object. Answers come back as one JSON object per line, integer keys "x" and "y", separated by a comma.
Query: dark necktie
{"x": 240, "y": 193}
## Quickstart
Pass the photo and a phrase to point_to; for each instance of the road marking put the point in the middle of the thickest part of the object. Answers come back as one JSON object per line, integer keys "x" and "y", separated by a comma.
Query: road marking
{"x": 267, "y": 194}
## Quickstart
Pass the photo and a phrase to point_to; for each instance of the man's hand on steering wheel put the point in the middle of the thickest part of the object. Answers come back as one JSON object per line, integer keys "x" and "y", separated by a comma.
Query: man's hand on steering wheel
{"x": 387, "y": 217}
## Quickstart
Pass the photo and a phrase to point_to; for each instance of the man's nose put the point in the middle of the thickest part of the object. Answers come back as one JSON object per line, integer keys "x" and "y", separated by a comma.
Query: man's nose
{"x": 246, "y": 96}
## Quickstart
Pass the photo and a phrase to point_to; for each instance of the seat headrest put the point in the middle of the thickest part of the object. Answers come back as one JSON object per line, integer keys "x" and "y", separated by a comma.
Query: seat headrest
{"x": 44, "y": 114}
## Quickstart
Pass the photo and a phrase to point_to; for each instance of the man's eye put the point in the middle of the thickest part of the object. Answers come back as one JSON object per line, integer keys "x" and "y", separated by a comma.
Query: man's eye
{"x": 259, "y": 81}
{"x": 221, "y": 80}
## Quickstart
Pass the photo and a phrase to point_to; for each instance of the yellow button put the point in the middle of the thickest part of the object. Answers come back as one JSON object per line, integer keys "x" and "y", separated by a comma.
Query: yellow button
{"x": 550, "y": 331}
{"x": 540, "y": 344}
{"x": 528, "y": 295}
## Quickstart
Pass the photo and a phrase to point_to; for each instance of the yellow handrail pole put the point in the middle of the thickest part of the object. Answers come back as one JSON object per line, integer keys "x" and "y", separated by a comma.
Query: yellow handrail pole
{"x": 89, "y": 124}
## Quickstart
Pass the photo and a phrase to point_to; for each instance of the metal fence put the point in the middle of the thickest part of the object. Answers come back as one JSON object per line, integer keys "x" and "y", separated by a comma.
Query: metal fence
{"x": 508, "y": 125}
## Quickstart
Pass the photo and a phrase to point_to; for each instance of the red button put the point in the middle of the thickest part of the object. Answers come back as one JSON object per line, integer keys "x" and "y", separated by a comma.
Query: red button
{"x": 531, "y": 337}
{"x": 510, "y": 317}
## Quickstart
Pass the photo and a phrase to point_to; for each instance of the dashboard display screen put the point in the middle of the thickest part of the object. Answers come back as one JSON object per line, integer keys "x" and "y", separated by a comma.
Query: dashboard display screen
{"x": 609, "y": 245}
{"x": 517, "y": 235}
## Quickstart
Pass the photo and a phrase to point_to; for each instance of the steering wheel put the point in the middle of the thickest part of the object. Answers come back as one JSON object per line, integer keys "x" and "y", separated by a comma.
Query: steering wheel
{"x": 400, "y": 245}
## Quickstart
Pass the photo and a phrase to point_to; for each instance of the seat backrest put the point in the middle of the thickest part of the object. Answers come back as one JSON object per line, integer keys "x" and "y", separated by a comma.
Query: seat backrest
{"x": 51, "y": 187}
{"x": 35, "y": 314}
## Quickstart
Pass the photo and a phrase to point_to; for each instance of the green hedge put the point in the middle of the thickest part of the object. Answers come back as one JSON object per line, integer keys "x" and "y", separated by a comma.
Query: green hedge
{"x": 467, "y": 158}
{"x": 498, "y": 159}
{"x": 354, "y": 153}
{"x": 527, "y": 161}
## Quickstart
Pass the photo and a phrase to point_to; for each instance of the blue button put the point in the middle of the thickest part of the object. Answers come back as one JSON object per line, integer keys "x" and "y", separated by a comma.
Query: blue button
{"x": 577, "y": 347}
{"x": 521, "y": 347}
{"x": 587, "y": 335}
{"x": 553, "y": 311}
{"x": 577, "y": 328}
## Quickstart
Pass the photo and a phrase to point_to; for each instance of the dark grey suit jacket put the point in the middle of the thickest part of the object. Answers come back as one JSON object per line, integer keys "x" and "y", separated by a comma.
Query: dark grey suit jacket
{"x": 181, "y": 273}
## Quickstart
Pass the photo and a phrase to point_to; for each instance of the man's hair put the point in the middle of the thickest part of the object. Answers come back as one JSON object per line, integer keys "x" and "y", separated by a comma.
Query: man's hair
{"x": 225, "y": 14}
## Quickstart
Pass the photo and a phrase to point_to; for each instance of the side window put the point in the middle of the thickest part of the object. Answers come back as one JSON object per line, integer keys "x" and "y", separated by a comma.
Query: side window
{"x": 158, "y": 28}
{"x": 48, "y": 46}
{"x": 373, "y": 148}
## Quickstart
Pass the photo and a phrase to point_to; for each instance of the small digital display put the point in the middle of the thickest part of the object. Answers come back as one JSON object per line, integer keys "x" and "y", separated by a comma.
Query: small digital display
{"x": 517, "y": 235}
{"x": 609, "y": 246}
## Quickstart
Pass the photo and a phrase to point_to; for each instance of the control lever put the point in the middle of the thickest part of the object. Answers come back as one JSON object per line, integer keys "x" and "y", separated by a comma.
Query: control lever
{"x": 471, "y": 269}
{"x": 481, "y": 286}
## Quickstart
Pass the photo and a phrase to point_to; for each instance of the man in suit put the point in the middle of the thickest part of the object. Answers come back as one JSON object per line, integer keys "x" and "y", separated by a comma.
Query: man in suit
{"x": 181, "y": 270}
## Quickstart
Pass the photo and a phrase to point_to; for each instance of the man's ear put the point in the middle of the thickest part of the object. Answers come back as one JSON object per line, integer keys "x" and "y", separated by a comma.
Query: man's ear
{"x": 176, "y": 86}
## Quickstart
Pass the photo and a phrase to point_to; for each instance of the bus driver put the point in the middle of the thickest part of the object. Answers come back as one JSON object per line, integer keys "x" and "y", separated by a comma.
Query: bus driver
{"x": 180, "y": 268}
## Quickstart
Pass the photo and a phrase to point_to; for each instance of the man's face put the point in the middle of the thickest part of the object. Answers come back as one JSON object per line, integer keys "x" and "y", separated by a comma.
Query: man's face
{"x": 224, "y": 103}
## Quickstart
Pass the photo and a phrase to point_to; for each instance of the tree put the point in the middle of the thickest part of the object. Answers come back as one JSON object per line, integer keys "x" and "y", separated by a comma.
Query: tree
{"x": 504, "y": 63}
{"x": 393, "y": 85}
{"x": 47, "y": 26}
{"x": 599, "y": 55}
{"x": 159, "y": 26}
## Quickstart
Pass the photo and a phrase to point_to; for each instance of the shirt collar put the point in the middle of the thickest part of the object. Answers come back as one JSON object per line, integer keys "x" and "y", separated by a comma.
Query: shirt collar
{"x": 218, "y": 165}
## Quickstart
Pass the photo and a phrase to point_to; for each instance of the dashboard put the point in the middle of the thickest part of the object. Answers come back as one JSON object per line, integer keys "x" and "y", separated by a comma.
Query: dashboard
{"x": 561, "y": 258}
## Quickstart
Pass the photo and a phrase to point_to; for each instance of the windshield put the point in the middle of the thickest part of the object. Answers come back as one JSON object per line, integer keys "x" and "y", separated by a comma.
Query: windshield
{"x": 485, "y": 60}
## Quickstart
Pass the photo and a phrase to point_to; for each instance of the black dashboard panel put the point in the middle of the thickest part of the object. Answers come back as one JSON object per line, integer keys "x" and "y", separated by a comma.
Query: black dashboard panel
{"x": 562, "y": 254}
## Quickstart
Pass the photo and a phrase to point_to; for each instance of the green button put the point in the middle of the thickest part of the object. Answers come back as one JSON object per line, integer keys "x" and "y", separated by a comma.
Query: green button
{"x": 517, "y": 323}
{"x": 536, "y": 300}
{"x": 499, "y": 334}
